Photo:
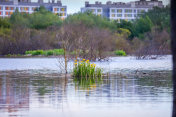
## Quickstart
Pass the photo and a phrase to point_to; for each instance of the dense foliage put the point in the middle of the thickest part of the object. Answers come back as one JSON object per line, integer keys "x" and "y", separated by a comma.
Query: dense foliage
{"x": 90, "y": 20}
{"x": 86, "y": 35}
{"x": 38, "y": 20}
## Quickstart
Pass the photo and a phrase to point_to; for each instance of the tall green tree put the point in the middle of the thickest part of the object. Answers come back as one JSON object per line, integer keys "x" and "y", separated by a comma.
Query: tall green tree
{"x": 43, "y": 18}
{"x": 142, "y": 25}
{"x": 90, "y": 20}
{"x": 160, "y": 17}
{"x": 4, "y": 22}
{"x": 20, "y": 19}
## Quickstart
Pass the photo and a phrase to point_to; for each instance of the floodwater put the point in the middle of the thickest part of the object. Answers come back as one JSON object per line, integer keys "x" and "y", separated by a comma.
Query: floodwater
{"x": 113, "y": 65}
{"x": 39, "y": 91}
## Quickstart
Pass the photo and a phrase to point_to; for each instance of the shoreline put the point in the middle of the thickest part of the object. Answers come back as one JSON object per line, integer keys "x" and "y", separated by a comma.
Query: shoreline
{"x": 59, "y": 56}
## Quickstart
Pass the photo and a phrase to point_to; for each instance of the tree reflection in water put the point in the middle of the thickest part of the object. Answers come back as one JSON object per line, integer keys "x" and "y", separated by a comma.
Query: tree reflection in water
{"x": 24, "y": 91}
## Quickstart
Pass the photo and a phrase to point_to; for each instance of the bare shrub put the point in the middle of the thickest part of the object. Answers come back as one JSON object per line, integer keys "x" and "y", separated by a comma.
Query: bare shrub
{"x": 156, "y": 44}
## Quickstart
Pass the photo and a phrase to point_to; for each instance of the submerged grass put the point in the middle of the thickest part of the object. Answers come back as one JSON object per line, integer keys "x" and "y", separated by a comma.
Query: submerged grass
{"x": 84, "y": 69}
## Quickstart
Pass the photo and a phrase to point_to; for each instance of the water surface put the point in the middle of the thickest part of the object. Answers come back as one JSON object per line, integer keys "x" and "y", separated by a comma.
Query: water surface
{"x": 36, "y": 94}
{"x": 113, "y": 65}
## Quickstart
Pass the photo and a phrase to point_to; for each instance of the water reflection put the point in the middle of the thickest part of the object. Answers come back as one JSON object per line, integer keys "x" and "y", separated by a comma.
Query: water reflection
{"x": 14, "y": 94}
{"x": 30, "y": 94}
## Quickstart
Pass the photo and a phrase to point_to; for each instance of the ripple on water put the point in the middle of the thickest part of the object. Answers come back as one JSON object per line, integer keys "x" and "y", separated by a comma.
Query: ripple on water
{"x": 36, "y": 93}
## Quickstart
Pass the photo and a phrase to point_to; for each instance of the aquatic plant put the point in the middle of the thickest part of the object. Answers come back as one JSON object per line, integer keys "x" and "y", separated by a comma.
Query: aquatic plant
{"x": 84, "y": 69}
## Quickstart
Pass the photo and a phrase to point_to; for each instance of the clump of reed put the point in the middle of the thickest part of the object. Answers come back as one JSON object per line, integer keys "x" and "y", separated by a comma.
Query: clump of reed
{"x": 84, "y": 69}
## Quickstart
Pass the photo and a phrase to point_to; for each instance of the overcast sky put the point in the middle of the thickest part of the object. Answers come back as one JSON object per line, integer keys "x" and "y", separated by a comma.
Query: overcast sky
{"x": 74, "y": 6}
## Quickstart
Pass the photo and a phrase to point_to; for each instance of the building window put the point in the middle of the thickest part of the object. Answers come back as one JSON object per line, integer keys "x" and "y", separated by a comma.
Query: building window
{"x": 139, "y": 15}
{"x": 119, "y": 15}
{"x": 7, "y": 8}
{"x": 11, "y": 8}
{"x": 98, "y": 10}
{"x": 113, "y": 15}
{"x": 1, "y": 8}
{"x": 140, "y": 10}
{"x": 128, "y": 15}
{"x": 24, "y": 8}
{"x": 34, "y": 8}
{"x": 59, "y": 14}
{"x": 63, "y": 9}
{"x": 119, "y": 10}
{"x": 113, "y": 10}
{"x": 134, "y": 11}
{"x": 128, "y": 10}
{"x": 92, "y": 10}
{"x": 7, "y": 13}
{"x": 126, "y": 20}
{"x": 10, "y": 13}
{"x": 1, "y": 13}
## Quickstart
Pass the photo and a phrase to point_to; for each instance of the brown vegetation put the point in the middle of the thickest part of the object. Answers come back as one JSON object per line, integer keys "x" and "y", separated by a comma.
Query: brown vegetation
{"x": 156, "y": 44}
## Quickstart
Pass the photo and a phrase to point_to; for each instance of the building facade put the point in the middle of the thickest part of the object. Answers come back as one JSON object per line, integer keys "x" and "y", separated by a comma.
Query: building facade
{"x": 7, "y": 7}
{"x": 119, "y": 10}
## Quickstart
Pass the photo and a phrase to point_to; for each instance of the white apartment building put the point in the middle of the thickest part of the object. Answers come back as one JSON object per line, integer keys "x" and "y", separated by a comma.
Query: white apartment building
{"x": 119, "y": 10}
{"x": 7, "y": 7}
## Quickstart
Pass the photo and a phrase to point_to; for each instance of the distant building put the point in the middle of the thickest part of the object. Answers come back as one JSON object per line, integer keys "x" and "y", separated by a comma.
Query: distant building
{"x": 119, "y": 10}
{"x": 7, "y": 7}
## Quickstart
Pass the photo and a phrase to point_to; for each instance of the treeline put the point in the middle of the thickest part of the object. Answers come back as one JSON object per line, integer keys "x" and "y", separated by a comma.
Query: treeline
{"x": 85, "y": 34}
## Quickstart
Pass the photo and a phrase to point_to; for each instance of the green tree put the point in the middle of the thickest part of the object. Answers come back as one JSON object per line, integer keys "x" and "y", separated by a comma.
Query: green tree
{"x": 126, "y": 25}
{"x": 142, "y": 25}
{"x": 160, "y": 17}
{"x": 20, "y": 19}
{"x": 90, "y": 20}
{"x": 43, "y": 18}
{"x": 4, "y": 22}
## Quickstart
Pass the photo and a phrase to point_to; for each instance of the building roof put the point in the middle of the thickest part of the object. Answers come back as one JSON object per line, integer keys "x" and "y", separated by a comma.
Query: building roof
{"x": 136, "y": 4}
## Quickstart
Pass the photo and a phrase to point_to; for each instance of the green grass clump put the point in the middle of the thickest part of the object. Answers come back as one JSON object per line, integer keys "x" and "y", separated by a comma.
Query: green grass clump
{"x": 86, "y": 70}
{"x": 120, "y": 53}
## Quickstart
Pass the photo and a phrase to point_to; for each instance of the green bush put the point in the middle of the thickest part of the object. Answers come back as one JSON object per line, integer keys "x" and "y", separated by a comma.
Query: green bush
{"x": 28, "y": 52}
{"x": 45, "y": 52}
{"x": 120, "y": 53}
{"x": 49, "y": 52}
{"x": 37, "y": 52}
{"x": 58, "y": 51}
